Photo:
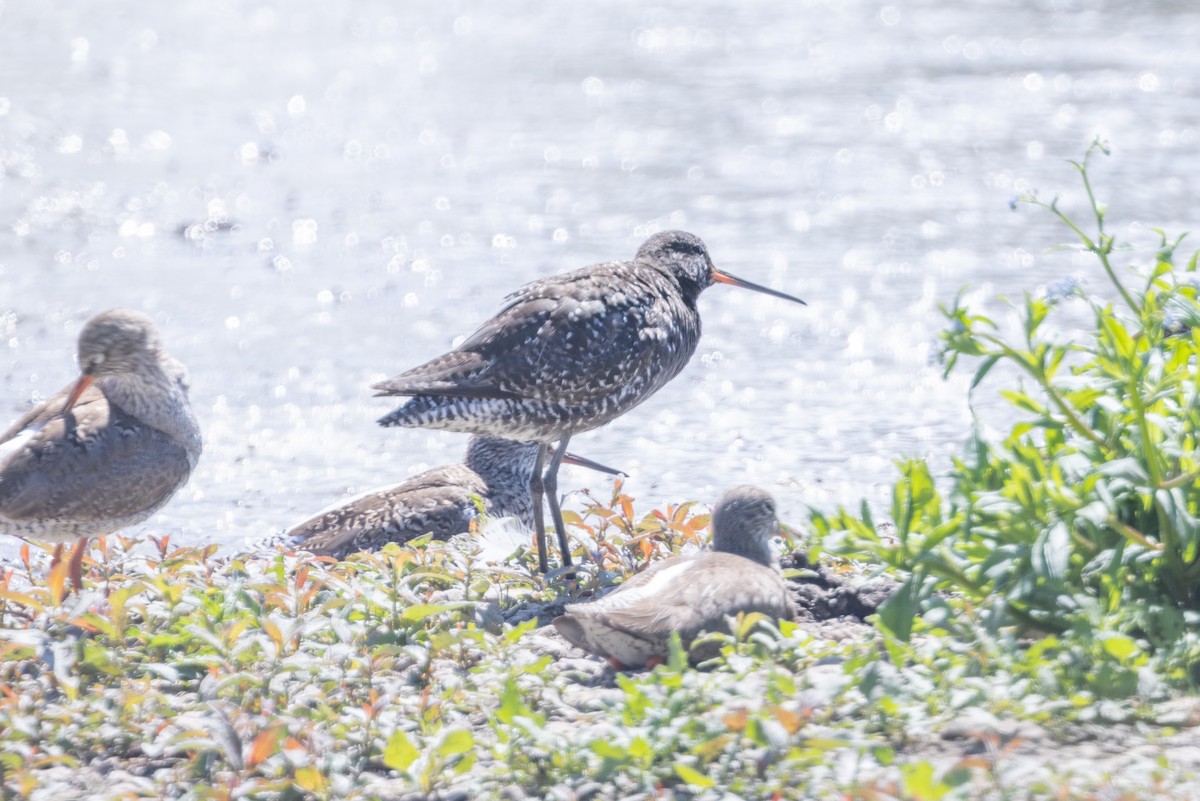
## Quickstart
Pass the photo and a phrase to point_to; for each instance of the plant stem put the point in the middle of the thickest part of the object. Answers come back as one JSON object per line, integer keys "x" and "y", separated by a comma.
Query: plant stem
{"x": 1131, "y": 533}
{"x": 1106, "y": 241}
{"x": 1039, "y": 375}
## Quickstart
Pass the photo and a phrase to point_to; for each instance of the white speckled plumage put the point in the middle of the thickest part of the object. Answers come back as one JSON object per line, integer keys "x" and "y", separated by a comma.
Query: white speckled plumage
{"x": 689, "y": 594}
{"x": 569, "y": 353}
{"x": 111, "y": 450}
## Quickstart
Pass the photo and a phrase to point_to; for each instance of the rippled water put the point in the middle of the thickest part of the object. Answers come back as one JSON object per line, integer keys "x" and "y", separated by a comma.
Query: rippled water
{"x": 309, "y": 199}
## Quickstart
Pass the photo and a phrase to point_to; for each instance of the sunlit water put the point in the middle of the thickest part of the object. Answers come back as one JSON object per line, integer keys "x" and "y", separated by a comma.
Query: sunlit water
{"x": 310, "y": 197}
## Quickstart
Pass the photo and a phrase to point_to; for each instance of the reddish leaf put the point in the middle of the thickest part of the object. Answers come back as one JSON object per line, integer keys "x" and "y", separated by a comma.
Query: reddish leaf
{"x": 57, "y": 579}
{"x": 265, "y": 744}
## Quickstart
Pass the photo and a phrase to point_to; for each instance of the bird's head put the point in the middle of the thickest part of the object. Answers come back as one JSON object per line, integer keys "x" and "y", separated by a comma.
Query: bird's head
{"x": 684, "y": 256}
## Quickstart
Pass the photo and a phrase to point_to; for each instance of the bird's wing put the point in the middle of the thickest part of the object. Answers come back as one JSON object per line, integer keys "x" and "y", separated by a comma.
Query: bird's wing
{"x": 436, "y": 502}
{"x": 36, "y": 418}
{"x": 558, "y": 339}
{"x": 690, "y": 595}
{"x": 93, "y": 463}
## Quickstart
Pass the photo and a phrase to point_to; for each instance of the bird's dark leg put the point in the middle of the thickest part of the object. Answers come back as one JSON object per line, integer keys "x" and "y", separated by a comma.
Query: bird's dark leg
{"x": 539, "y": 515}
{"x": 550, "y": 484}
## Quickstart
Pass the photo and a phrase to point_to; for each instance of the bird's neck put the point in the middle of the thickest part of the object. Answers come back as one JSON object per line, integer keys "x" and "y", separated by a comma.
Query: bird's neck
{"x": 688, "y": 290}
{"x": 511, "y": 496}
{"x": 757, "y": 551}
{"x": 510, "y": 491}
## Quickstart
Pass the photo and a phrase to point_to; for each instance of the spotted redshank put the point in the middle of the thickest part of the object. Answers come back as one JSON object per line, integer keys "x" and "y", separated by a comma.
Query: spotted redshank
{"x": 440, "y": 501}
{"x": 691, "y": 594}
{"x": 107, "y": 452}
{"x": 568, "y": 354}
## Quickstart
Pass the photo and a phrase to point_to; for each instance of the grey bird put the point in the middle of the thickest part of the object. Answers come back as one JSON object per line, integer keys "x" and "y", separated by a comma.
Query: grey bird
{"x": 692, "y": 594}
{"x": 108, "y": 451}
{"x": 440, "y": 501}
{"x": 568, "y": 354}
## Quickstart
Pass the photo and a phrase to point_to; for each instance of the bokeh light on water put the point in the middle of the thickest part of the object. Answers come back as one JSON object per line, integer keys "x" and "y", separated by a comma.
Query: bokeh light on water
{"x": 310, "y": 198}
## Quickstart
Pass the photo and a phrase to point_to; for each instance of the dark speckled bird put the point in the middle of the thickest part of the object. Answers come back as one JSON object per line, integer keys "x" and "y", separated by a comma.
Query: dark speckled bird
{"x": 690, "y": 594}
{"x": 568, "y": 354}
{"x": 440, "y": 502}
{"x": 107, "y": 452}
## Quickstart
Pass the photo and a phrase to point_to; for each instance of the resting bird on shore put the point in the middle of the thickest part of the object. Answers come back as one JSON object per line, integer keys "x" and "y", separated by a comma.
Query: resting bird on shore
{"x": 568, "y": 354}
{"x": 108, "y": 451}
{"x": 439, "y": 501}
{"x": 692, "y": 594}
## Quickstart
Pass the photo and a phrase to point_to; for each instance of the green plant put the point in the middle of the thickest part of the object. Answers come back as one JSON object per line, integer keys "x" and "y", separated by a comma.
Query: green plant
{"x": 1084, "y": 519}
{"x": 176, "y": 674}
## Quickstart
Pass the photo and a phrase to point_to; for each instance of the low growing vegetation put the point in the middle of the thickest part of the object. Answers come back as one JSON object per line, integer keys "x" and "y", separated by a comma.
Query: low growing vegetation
{"x": 1048, "y": 592}
{"x": 1083, "y": 522}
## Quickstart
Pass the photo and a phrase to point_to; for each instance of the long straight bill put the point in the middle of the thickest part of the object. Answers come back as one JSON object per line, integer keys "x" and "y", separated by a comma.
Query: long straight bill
{"x": 733, "y": 280}
{"x": 571, "y": 458}
{"x": 82, "y": 384}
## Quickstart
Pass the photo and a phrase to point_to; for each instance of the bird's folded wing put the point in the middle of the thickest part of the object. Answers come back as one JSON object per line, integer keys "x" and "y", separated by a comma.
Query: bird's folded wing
{"x": 38, "y": 416}
{"x": 691, "y": 594}
{"x": 431, "y": 503}
{"x": 94, "y": 463}
{"x": 554, "y": 341}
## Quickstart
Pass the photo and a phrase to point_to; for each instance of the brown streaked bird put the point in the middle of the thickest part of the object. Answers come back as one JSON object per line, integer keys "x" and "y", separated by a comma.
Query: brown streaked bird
{"x": 108, "y": 451}
{"x": 568, "y": 354}
{"x": 440, "y": 502}
{"x": 692, "y": 594}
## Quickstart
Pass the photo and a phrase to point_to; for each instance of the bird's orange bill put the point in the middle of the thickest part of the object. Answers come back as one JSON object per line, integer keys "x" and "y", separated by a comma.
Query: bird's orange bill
{"x": 82, "y": 384}
{"x": 787, "y": 532}
{"x": 571, "y": 458}
{"x": 733, "y": 280}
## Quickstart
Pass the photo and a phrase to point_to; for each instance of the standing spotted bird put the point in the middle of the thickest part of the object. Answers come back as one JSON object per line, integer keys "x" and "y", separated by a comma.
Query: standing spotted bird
{"x": 692, "y": 594}
{"x": 440, "y": 502}
{"x": 107, "y": 452}
{"x": 568, "y": 354}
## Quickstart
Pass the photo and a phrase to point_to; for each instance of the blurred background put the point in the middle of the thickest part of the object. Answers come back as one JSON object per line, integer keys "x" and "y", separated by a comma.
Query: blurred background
{"x": 311, "y": 196}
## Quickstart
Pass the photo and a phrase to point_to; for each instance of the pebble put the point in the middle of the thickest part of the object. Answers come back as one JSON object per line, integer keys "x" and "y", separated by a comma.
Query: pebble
{"x": 1183, "y": 712}
{"x": 978, "y": 725}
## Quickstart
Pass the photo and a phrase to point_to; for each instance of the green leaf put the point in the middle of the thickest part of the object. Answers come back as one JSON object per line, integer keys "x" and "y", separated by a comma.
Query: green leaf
{"x": 1023, "y": 401}
{"x": 537, "y": 666}
{"x": 456, "y": 741}
{"x": 1119, "y": 646}
{"x": 641, "y": 750}
{"x": 921, "y": 782}
{"x": 418, "y": 612}
{"x": 400, "y": 752}
{"x": 898, "y": 612}
{"x": 1052, "y": 552}
{"x": 465, "y": 764}
{"x": 677, "y": 655}
{"x": 310, "y": 779}
{"x": 983, "y": 370}
{"x": 607, "y": 750}
{"x": 512, "y": 705}
{"x": 1118, "y": 336}
{"x": 692, "y": 776}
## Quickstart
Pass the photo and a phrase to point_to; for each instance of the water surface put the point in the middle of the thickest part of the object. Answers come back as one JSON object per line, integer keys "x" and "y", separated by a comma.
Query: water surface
{"x": 309, "y": 198}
